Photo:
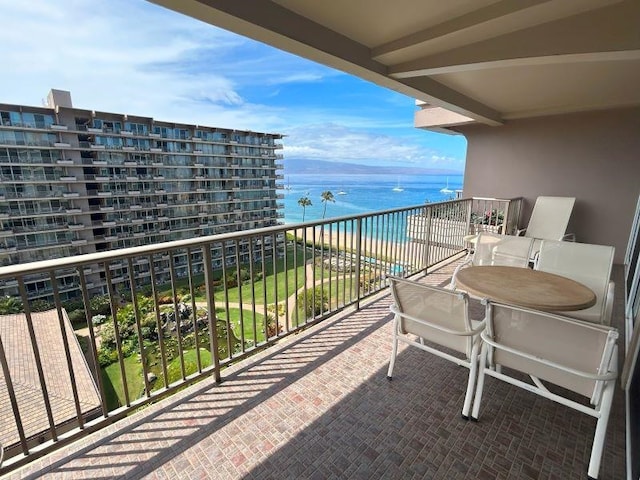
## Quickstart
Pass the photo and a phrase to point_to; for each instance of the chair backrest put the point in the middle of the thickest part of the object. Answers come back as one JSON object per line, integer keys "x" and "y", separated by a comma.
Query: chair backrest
{"x": 551, "y": 347}
{"x": 508, "y": 250}
{"x": 435, "y": 305}
{"x": 550, "y": 217}
{"x": 585, "y": 263}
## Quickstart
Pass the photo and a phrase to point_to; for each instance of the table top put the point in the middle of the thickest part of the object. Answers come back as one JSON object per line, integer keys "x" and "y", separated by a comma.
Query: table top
{"x": 526, "y": 288}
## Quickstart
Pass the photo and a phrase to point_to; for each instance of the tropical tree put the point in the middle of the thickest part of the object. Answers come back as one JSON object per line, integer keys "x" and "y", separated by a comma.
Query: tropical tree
{"x": 304, "y": 202}
{"x": 9, "y": 305}
{"x": 327, "y": 196}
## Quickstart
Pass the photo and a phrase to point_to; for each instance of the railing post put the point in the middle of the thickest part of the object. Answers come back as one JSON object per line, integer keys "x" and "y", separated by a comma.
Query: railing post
{"x": 92, "y": 340}
{"x": 211, "y": 307}
{"x": 505, "y": 220}
{"x": 469, "y": 214}
{"x": 427, "y": 238}
{"x": 358, "y": 255}
{"x": 13, "y": 400}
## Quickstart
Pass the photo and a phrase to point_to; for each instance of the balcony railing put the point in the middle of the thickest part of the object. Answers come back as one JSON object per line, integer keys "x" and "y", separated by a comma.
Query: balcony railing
{"x": 173, "y": 313}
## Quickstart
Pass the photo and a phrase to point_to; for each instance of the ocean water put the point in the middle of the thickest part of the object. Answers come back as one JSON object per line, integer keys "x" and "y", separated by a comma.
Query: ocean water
{"x": 363, "y": 193}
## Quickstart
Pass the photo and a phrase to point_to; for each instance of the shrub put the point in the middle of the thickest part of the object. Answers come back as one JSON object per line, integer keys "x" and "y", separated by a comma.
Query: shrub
{"x": 71, "y": 305}
{"x": 164, "y": 299}
{"x": 77, "y": 316}
{"x": 272, "y": 327}
{"x": 9, "y": 305}
{"x": 106, "y": 356}
{"x": 100, "y": 305}
{"x": 320, "y": 305}
{"x": 41, "y": 305}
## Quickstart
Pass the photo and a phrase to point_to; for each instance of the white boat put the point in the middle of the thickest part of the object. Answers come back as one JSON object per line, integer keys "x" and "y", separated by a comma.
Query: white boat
{"x": 398, "y": 188}
{"x": 288, "y": 186}
{"x": 446, "y": 189}
{"x": 342, "y": 192}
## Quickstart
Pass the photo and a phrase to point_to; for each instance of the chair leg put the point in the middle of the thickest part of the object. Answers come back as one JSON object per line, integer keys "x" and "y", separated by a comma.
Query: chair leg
{"x": 473, "y": 374}
{"x": 394, "y": 352}
{"x": 601, "y": 430}
{"x": 482, "y": 360}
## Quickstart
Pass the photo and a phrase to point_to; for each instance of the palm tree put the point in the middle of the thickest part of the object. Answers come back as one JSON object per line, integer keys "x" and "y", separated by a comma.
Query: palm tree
{"x": 9, "y": 305}
{"x": 304, "y": 202}
{"x": 327, "y": 196}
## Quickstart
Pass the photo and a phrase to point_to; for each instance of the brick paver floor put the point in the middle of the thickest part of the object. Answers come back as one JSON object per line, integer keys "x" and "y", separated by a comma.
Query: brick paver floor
{"x": 318, "y": 406}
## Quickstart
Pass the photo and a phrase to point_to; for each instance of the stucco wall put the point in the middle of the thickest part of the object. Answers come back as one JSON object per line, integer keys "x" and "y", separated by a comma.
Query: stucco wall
{"x": 593, "y": 156}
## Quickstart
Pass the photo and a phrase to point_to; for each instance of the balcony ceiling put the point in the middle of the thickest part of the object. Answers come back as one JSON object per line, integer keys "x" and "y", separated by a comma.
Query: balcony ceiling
{"x": 491, "y": 60}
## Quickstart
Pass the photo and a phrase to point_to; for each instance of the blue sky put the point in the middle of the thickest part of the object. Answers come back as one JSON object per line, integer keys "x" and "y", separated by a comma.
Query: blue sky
{"x": 131, "y": 56}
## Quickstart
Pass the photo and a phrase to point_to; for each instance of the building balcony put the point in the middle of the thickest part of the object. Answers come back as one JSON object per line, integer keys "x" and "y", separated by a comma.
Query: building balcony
{"x": 325, "y": 406}
{"x": 305, "y": 395}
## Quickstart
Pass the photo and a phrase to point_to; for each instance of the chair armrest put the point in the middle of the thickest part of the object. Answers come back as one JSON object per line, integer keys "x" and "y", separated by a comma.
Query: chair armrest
{"x": 468, "y": 260}
{"x": 520, "y": 232}
{"x": 569, "y": 237}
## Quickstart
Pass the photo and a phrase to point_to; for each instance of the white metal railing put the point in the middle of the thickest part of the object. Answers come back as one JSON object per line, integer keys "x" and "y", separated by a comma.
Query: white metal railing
{"x": 160, "y": 316}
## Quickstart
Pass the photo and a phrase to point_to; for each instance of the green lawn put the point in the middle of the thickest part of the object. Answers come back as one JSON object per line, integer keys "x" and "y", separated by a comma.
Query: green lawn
{"x": 114, "y": 390}
{"x": 174, "y": 370}
{"x": 247, "y": 323}
{"x": 234, "y": 293}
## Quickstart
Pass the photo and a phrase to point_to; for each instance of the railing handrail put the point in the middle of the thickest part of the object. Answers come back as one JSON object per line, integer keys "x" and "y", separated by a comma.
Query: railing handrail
{"x": 123, "y": 253}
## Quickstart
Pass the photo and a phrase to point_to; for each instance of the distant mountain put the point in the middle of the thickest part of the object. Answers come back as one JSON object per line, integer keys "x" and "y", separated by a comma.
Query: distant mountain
{"x": 293, "y": 166}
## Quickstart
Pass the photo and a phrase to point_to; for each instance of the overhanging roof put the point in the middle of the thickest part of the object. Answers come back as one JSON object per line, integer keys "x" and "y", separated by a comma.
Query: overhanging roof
{"x": 490, "y": 60}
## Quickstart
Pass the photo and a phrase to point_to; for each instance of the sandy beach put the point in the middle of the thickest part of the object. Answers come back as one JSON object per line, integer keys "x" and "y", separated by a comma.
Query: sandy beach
{"x": 405, "y": 254}
{"x": 372, "y": 247}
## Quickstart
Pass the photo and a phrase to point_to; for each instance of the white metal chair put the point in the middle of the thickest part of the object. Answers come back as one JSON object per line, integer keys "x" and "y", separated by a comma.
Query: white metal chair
{"x": 440, "y": 316}
{"x": 585, "y": 263}
{"x": 548, "y": 221}
{"x": 578, "y": 356}
{"x": 494, "y": 249}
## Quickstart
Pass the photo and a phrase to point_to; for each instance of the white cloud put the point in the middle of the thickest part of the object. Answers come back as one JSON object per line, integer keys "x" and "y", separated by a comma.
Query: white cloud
{"x": 134, "y": 57}
{"x": 305, "y": 77}
{"x": 334, "y": 142}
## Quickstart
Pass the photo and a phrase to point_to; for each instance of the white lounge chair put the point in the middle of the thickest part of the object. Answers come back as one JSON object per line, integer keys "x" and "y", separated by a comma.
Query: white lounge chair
{"x": 578, "y": 356}
{"x": 585, "y": 263}
{"x": 440, "y": 316}
{"x": 493, "y": 249}
{"x": 548, "y": 221}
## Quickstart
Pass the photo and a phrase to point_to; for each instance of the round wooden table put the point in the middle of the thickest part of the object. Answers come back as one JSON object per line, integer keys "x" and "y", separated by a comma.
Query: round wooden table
{"x": 526, "y": 288}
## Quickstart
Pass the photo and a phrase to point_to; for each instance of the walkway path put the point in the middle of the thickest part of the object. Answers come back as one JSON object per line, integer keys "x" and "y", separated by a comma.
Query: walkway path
{"x": 292, "y": 300}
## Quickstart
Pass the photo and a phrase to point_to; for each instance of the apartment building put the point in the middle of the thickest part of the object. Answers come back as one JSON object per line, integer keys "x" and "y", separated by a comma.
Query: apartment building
{"x": 76, "y": 181}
